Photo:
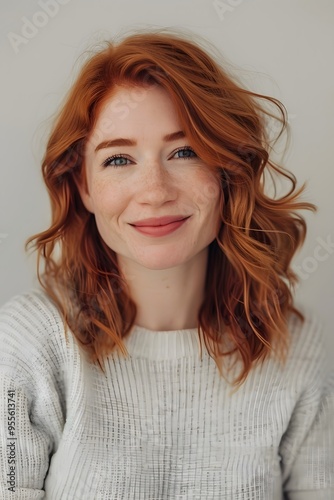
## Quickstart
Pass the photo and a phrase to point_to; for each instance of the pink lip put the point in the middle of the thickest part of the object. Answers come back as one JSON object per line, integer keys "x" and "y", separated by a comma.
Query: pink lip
{"x": 159, "y": 221}
{"x": 161, "y": 230}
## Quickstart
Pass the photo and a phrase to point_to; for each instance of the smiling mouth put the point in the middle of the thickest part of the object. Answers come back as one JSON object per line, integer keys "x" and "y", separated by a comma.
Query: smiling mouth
{"x": 162, "y": 229}
{"x": 162, "y": 225}
{"x": 159, "y": 224}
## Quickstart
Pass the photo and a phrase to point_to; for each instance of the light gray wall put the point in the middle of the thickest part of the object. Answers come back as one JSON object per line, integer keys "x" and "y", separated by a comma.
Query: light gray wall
{"x": 281, "y": 47}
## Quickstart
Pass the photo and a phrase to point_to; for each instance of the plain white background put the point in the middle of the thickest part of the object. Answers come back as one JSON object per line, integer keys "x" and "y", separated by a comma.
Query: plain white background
{"x": 278, "y": 47}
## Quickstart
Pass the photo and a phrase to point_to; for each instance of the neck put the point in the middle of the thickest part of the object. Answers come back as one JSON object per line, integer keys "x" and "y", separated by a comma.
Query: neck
{"x": 167, "y": 299}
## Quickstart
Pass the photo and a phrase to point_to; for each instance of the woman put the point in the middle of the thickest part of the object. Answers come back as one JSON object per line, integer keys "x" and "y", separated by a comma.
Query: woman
{"x": 162, "y": 239}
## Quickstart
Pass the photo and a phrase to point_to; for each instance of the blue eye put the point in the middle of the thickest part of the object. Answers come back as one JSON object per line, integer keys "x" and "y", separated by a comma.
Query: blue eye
{"x": 185, "y": 153}
{"x": 116, "y": 161}
{"x": 120, "y": 160}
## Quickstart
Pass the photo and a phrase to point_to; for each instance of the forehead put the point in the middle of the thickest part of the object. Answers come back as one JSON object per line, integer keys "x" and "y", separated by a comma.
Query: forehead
{"x": 132, "y": 110}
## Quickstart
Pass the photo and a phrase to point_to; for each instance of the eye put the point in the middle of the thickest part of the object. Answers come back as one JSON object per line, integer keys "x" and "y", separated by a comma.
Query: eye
{"x": 120, "y": 160}
{"x": 116, "y": 161}
{"x": 185, "y": 153}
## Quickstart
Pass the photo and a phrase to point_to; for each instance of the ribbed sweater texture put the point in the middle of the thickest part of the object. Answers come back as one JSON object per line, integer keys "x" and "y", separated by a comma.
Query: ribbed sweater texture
{"x": 162, "y": 423}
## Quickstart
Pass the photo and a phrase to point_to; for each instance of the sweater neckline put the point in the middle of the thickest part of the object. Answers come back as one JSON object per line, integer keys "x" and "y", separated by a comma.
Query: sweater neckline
{"x": 143, "y": 329}
{"x": 163, "y": 344}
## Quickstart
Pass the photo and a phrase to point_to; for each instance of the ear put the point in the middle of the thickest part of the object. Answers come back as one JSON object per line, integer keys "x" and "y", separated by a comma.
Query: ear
{"x": 86, "y": 198}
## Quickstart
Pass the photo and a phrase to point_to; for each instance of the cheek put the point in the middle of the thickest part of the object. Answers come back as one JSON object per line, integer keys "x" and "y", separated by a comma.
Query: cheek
{"x": 207, "y": 191}
{"x": 108, "y": 200}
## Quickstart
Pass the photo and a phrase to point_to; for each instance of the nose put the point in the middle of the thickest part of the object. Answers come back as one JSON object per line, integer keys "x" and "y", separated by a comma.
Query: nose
{"x": 155, "y": 184}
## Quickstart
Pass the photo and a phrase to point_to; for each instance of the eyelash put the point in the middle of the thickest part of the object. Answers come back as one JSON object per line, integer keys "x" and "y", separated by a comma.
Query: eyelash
{"x": 107, "y": 162}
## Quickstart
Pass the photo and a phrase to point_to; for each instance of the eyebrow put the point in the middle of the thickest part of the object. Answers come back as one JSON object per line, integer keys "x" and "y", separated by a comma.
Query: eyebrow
{"x": 130, "y": 142}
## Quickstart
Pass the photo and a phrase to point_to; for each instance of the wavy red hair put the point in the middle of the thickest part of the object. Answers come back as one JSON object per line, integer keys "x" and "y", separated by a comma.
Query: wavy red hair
{"x": 247, "y": 297}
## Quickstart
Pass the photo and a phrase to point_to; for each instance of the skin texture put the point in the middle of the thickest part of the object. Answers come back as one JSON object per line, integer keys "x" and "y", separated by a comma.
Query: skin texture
{"x": 166, "y": 274}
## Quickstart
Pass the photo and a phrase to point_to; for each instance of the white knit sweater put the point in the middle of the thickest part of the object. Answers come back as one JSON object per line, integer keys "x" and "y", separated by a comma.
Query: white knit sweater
{"x": 161, "y": 424}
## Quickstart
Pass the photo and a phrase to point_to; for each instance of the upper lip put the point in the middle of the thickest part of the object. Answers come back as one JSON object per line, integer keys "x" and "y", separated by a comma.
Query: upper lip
{"x": 159, "y": 221}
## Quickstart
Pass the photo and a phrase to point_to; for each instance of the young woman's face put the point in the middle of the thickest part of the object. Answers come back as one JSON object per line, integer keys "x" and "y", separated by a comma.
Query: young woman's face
{"x": 148, "y": 170}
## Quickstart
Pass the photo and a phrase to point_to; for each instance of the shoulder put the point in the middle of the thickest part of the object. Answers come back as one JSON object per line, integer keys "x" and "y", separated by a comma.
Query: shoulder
{"x": 34, "y": 300}
{"x": 308, "y": 355}
{"x": 308, "y": 337}
{"x": 31, "y": 332}
{"x": 31, "y": 313}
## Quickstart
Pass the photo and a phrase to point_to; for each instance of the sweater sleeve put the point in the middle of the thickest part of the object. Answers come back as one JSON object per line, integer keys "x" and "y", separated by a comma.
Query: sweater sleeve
{"x": 31, "y": 402}
{"x": 307, "y": 447}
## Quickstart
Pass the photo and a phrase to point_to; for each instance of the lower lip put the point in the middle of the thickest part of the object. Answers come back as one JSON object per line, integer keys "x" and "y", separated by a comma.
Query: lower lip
{"x": 160, "y": 230}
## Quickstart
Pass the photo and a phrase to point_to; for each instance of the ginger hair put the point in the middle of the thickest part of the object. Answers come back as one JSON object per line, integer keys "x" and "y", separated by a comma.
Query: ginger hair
{"x": 247, "y": 291}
